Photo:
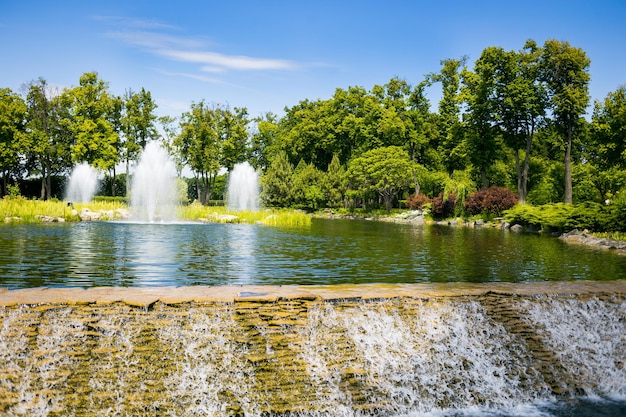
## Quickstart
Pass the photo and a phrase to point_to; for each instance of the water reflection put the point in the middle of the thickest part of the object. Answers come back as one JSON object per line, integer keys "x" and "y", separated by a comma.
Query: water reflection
{"x": 329, "y": 252}
{"x": 241, "y": 247}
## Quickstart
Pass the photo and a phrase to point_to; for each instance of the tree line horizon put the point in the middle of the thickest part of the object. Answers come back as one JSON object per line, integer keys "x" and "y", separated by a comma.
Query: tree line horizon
{"x": 515, "y": 120}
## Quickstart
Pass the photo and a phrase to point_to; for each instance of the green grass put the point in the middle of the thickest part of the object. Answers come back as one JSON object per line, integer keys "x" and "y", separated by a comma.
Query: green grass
{"x": 611, "y": 235}
{"x": 220, "y": 214}
{"x": 30, "y": 211}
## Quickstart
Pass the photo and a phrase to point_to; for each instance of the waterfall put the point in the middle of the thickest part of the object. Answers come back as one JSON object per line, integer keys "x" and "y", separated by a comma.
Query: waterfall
{"x": 466, "y": 355}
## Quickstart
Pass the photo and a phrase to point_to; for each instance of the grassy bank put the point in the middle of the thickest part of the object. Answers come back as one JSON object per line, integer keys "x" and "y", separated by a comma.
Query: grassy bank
{"x": 21, "y": 210}
{"x": 32, "y": 211}
{"x": 220, "y": 214}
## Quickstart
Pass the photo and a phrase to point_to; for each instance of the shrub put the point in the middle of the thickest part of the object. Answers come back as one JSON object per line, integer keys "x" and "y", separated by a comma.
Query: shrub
{"x": 493, "y": 200}
{"x": 441, "y": 208}
{"x": 417, "y": 201}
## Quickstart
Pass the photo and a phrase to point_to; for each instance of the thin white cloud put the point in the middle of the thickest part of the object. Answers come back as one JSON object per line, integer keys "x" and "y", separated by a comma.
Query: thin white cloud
{"x": 155, "y": 41}
{"x": 198, "y": 77}
{"x": 155, "y": 38}
{"x": 214, "y": 60}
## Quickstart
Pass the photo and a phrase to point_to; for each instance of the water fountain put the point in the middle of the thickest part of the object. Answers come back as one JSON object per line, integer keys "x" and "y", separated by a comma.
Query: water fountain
{"x": 82, "y": 184}
{"x": 153, "y": 192}
{"x": 243, "y": 188}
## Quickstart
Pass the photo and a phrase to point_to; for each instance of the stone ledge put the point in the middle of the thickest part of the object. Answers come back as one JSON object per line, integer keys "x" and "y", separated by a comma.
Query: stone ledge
{"x": 147, "y": 296}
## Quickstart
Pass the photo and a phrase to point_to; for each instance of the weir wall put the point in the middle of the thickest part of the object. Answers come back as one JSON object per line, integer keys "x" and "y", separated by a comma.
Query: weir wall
{"x": 340, "y": 350}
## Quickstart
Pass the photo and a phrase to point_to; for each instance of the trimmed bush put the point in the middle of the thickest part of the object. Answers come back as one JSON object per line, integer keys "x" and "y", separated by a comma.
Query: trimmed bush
{"x": 417, "y": 201}
{"x": 493, "y": 200}
{"x": 443, "y": 208}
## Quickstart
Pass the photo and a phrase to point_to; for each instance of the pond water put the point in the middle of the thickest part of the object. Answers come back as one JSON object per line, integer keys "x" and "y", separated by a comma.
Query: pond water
{"x": 327, "y": 252}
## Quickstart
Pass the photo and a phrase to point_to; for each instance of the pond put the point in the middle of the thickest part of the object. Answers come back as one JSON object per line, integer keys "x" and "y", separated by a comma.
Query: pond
{"x": 327, "y": 252}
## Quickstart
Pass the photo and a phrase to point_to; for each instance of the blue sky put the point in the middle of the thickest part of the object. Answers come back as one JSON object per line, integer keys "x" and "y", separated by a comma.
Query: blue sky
{"x": 265, "y": 55}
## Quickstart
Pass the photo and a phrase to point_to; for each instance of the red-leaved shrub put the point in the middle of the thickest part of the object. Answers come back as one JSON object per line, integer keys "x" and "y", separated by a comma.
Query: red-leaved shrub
{"x": 493, "y": 200}
{"x": 441, "y": 208}
{"x": 417, "y": 201}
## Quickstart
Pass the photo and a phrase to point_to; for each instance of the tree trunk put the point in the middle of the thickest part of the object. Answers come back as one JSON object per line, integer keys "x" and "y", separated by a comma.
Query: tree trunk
{"x": 42, "y": 195}
{"x": 520, "y": 188}
{"x": 483, "y": 176}
{"x": 127, "y": 177}
{"x": 113, "y": 182}
{"x": 48, "y": 184}
{"x": 568, "y": 168}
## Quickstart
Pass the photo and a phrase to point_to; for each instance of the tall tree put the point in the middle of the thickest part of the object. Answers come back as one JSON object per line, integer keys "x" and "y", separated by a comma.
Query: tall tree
{"x": 276, "y": 184}
{"x": 264, "y": 141}
{"x": 565, "y": 71}
{"x": 608, "y": 130}
{"x": 479, "y": 92}
{"x": 49, "y": 139}
{"x": 138, "y": 126}
{"x": 91, "y": 112}
{"x": 212, "y": 138}
{"x": 12, "y": 133}
{"x": 385, "y": 171}
{"x": 451, "y": 146}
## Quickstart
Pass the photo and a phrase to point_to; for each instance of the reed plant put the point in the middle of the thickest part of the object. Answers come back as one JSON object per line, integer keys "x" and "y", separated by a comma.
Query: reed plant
{"x": 221, "y": 214}
{"x": 20, "y": 209}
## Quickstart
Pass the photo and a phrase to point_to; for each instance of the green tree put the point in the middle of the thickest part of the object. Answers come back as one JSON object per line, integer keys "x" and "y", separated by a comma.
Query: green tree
{"x": 276, "y": 183}
{"x": 198, "y": 142}
{"x": 565, "y": 72}
{"x": 608, "y": 131}
{"x": 233, "y": 136}
{"x": 12, "y": 133}
{"x": 211, "y": 138}
{"x": 307, "y": 185}
{"x": 479, "y": 92}
{"x": 385, "y": 171}
{"x": 265, "y": 141}
{"x": 521, "y": 105}
{"x": 451, "y": 146}
{"x": 138, "y": 125}
{"x": 92, "y": 110}
{"x": 49, "y": 139}
{"x": 334, "y": 185}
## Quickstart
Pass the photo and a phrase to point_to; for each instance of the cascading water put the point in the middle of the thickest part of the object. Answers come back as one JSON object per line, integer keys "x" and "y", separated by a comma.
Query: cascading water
{"x": 243, "y": 188}
{"x": 153, "y": 192}
{"x": 82, "y": 184}
{"x": 488, "y": 355}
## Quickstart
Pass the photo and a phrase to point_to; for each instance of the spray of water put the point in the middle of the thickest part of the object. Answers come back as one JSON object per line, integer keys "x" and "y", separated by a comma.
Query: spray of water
{"x": 404, "y": 357}
{"x": 82, "y": 184}
{"x": 243, "y": 188}
{"x": 153, "y": 192}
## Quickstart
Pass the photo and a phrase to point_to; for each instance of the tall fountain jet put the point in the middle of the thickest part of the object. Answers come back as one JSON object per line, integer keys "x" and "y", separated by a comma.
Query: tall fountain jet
{"x": 153, "y": 192}
{"x": 243, "y": 188}
{"x": 82, "y": 184}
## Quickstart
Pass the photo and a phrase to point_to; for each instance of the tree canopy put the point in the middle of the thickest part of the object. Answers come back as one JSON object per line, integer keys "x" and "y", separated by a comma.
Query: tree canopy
{"x": 512, "y": 119}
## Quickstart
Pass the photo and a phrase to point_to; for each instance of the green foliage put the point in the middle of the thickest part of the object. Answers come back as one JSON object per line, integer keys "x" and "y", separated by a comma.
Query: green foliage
{"x": 385, "y": 171}
{"x": 276, "y": 184}
{"x": 212, "y": 138}
{"x": 460, "y": 185}
{"x": 110, "y": 199}
{"x": 561, "y": 217}
{"x": 306, "y": 189}
{"x": 13, "y": 191}
{"x": 12, "y": 132}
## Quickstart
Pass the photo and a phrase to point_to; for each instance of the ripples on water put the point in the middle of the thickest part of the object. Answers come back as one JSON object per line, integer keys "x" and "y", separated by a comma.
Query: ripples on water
{"x": 329, "y": 252}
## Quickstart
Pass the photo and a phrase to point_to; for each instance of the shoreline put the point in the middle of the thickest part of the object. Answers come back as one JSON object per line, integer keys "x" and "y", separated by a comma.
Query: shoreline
{"x": 146, "y": 297}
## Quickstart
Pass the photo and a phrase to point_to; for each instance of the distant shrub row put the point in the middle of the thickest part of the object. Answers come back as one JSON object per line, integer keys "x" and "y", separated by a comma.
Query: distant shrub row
{"x": 561, "y": 217}
{"x": 489, "y": 202}
{"x": 502, "y": 202}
